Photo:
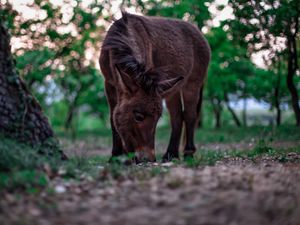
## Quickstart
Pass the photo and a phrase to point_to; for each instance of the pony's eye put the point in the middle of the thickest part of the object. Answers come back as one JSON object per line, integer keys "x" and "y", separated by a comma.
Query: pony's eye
{"x": 139, "y": 117}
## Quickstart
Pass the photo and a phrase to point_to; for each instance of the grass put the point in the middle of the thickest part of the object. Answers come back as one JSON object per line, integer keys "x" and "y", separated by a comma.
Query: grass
{"x": 22, "y": 168}
{"x": 246, "y": 134}
{"x": 210, "y": 158}
{"x": 227, "y": 134}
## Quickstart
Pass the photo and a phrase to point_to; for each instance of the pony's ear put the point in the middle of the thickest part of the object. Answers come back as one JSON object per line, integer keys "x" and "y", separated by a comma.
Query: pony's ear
{"x": 166, "y": 86}
{"x": 125, "y": 81}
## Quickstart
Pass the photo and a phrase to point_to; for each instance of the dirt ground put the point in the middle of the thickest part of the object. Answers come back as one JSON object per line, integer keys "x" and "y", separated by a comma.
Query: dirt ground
{"x": 235, "y": 191}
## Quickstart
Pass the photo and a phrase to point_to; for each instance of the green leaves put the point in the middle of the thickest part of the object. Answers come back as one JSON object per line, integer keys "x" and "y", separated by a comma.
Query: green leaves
{"x": 229, "y": 67}
{"x": 195, "y": 11}
{"x": 47, "y": 7}
{"x": 53, "y": 61}
{"x": 34, "y": 66}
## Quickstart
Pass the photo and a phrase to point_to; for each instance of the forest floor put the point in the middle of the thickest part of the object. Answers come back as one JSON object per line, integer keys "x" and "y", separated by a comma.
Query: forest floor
{"x": 241, "y": 182}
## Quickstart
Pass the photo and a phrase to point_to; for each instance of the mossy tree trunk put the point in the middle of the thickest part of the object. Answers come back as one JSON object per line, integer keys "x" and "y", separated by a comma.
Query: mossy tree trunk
{"x": 21, "y": 116}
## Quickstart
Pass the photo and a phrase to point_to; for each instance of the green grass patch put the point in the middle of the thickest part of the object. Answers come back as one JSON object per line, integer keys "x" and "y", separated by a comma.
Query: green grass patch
{"x": 205, "y": 158}
{"x": 231, "y": 134}
{"x": 31, "y": 181}
{"x": 210, "y": 157}
{"x": 17, "y": 156}
{"x": 22, "y": 168}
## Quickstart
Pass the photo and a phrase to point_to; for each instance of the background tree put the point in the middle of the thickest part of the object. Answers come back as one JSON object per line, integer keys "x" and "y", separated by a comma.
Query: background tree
{"x": 58, "y": 57}
{"x": 272, "y": 26}
{"x": 228, "y": 75}
{"x": 268, "y": 86}
{"x": 195, "y": 11}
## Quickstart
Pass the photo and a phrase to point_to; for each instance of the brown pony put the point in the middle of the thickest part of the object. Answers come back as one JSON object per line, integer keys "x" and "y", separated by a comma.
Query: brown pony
{"x": 145, "y": 60}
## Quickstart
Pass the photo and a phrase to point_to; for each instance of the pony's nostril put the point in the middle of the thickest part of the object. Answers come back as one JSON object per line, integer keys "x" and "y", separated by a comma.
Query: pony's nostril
{"x": 146, "y": 155}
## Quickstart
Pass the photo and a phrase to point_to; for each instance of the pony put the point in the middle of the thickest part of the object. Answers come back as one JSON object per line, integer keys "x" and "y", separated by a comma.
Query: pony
{"x": 146, "y": 60}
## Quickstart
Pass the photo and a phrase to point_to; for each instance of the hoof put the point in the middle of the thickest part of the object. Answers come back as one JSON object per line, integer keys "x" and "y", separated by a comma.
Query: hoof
{"x": 168, "y": 157}
{"x": 114, "y": 159}
{"x": 188, "y": 154}
{"x": 123, "y": 160}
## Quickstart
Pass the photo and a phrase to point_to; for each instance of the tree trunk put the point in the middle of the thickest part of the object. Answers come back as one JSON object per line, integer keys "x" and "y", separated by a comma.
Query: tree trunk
{"x": 70, "y": 115}
{"x": 245, "y": 112}
{"x": 277, "y": 106}
{"x": 218, "y": 119}
{"x": 234, "y": 116}
{"x": 278, "y": 116}
{"x": 217, "y": 108}
{"x": 292, "y": 67}
{"x": 21, "y": 116}
{"x": 69, "y": 126}
{"x": 277, "y": 98}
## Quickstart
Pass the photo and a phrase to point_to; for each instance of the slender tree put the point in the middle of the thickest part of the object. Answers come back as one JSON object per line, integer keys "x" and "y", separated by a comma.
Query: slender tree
{"x": 228, "y": 74}
{"x": 273, "y": 26}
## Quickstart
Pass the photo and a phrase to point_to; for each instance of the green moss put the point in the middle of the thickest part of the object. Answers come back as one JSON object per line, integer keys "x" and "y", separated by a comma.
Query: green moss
{"x": 23, "y": 167}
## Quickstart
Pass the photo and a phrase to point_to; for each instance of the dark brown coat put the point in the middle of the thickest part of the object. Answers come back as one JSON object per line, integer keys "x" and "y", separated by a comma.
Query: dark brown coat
{"x": 145, "y": 60}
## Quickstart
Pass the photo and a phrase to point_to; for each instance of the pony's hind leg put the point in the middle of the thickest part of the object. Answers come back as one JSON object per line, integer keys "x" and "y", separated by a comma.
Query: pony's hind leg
{"x": 111, "y": 95}
{"x": 174, "y": 106}
{"x": 190, "y": 116}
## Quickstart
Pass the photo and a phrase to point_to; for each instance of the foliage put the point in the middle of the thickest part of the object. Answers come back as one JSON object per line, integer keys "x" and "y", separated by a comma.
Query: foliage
{"x": 58, "y": 50}
{"x": 229, "y": 73}
{"x": 265, "y": 26}
{"x": 195, "y": 11}
{"x": 57, "y": 56}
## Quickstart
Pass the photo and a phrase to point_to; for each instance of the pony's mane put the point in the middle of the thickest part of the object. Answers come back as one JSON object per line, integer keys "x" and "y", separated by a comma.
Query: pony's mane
{"x": 123, "y": 56}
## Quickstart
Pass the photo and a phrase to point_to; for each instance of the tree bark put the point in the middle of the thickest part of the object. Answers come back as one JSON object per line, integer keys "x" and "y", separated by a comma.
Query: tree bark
{"x": 277, "y": 98}
{"x": 217, "y": 108}
{"x": 292, "y": 67}
{"x": 70, "y": 115}
{"x": 69, "y": 126}
{"x": 277, "y": 106}
{"x": 21, "y": 116}
{"x": 245, "y": 111}
{"x": 218, "y": 119}
{"x": 234, "y": 116}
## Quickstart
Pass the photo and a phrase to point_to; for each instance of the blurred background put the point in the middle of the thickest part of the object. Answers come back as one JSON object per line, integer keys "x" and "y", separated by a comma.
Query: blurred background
{"x": 253, "y": 82}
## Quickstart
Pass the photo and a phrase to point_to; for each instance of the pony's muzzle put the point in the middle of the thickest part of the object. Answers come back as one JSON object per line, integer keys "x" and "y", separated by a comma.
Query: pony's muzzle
{"x": 145, "y": 154}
